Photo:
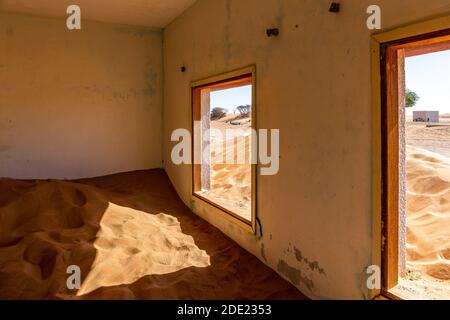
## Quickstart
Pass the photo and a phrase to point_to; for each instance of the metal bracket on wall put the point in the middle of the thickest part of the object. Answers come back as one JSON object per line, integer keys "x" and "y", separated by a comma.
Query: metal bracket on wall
{"x": 275, "y": 32}
{"x": 335, "y": 7}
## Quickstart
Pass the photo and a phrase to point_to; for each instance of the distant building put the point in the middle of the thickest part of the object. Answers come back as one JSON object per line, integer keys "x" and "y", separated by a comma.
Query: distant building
{"x": 426, "y": 116}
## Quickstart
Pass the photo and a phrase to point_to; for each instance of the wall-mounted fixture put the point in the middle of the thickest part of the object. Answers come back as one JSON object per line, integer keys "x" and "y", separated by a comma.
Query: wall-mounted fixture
{"x": 183, "y": 69}
{"x": 335, "y": 7}
{"x": 275, "y": 32}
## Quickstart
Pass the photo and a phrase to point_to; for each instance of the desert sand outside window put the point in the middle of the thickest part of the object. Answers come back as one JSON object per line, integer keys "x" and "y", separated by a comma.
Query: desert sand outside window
{"x": 223, "y": 119}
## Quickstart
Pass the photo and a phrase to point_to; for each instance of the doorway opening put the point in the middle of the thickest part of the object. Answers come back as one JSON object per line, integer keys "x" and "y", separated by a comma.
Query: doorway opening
{"x": 415, "y": 83}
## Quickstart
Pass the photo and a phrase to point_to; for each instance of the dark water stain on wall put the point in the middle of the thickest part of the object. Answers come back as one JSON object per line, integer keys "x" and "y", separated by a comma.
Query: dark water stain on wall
{"x": 263, "y": 252}
{"x": 294, "y": 275}
{"x": 122, "y": 96}
{"x": 151, "y": 82}
{"x": 151, "y": 87}
{"x": 313, "y": 265}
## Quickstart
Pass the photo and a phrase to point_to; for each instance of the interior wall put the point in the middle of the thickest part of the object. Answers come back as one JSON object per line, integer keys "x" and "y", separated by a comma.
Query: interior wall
{"x": 78, "y": 103}
{"x": 314, "y": 84}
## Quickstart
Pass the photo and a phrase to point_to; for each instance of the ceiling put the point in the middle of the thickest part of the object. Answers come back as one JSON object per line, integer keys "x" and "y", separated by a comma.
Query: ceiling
{"x": 149, "y": 13}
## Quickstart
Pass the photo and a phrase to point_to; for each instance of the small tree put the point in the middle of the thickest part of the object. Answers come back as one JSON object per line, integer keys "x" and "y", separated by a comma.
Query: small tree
{"x": 218, "y": 113}
{"x": 411, "y": 98}
{"x": 244, "y": 110}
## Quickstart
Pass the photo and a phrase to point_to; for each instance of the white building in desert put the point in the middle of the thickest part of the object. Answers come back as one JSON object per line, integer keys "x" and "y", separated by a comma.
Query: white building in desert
{"x": 426, "y": 116}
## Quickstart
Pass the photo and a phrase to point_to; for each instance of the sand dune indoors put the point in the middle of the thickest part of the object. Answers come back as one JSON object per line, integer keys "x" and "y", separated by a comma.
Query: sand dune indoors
{"x": 131, "y": 244}
{"x": 132, "y": 238}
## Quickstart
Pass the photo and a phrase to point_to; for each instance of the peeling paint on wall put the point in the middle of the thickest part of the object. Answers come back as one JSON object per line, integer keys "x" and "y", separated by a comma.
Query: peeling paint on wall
{"x": 294, "y": 275}
{"x": 263, "y": 253}
{"x": 313, "y": 265}
{"x": 299, "y": 274}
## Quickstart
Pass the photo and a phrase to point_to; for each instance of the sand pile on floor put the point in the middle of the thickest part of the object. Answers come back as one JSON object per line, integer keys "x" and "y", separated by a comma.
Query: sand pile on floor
{"x": 132, "y": 244}
{"x": 428, "y": 225}
{"x": 131, "y": 237}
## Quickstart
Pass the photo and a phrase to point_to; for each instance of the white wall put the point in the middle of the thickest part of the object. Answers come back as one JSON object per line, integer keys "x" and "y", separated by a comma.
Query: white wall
{"x": 316, "y": 213}
{"x": 78, "y": 103}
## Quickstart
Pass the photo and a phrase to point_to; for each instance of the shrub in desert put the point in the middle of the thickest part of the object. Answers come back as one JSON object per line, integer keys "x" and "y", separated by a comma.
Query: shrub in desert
{"x": 411, "y": 98}
{"x": 245, "y": 111}
{"x": 218, "y": 113}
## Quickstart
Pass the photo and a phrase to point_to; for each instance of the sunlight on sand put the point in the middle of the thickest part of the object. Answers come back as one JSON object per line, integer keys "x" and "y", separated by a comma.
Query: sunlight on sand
{"x": 132, "y": 244}
{"x": 428, "y": 226}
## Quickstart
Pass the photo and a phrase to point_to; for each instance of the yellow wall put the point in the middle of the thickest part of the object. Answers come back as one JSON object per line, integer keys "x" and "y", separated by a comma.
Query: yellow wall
{"x": 314, "y": 84}
{"x": 78, "y": 103}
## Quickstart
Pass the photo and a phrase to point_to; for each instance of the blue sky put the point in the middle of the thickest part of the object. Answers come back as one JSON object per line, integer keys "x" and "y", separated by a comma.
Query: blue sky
{"x": 231, "y": 98}
{"x": 429, "y": 76}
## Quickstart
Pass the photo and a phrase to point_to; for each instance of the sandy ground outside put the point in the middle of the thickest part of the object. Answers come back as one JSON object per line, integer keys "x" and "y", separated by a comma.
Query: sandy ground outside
{"x": 428, "y": 212}
{"x": 231, "y": 183}
{"x": 132, "y": 238}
